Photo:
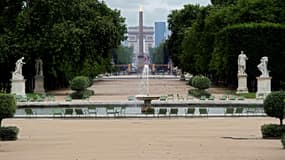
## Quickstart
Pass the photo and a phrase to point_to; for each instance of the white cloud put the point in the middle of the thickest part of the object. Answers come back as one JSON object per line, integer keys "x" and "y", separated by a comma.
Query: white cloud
{"x": 154, "y": 10}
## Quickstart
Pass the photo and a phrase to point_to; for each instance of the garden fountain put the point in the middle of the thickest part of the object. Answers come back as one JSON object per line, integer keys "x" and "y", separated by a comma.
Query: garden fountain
{"x": 145, "y": 90}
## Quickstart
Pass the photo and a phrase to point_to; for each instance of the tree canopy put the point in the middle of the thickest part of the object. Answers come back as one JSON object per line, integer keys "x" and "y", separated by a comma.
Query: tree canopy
{"x": 208, "y": 37}
{"x": 73, "y": 37}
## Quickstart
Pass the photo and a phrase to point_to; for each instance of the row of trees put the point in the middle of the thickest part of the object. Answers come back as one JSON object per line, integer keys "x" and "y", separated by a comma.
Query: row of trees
{"x": 159, "y": 55}
{"x": 73, "y": 37}
{"x": 207, "y": 39}
{"x": 122, "y": 55}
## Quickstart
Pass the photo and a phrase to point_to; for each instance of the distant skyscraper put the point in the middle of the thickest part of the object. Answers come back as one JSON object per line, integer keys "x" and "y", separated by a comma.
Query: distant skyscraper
{"x": 160, "y": 32}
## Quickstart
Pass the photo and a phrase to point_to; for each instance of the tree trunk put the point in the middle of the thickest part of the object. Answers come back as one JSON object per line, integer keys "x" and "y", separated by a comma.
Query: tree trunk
{"x": 281, "y": 121}
{"x": 0, "y": 122}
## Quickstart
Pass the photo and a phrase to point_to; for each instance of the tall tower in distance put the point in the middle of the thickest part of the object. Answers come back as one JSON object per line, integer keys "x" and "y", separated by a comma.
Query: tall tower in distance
{"x": 160, "y": 32}
{"x": 140, "y": 62}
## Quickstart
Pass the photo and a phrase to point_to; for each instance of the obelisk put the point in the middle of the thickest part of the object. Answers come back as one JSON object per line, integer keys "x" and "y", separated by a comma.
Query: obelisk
{"x": 141, "y": 53}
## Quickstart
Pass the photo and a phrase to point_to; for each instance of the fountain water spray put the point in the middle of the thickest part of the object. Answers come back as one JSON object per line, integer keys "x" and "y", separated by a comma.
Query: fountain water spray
{"x": 144, "y": 89}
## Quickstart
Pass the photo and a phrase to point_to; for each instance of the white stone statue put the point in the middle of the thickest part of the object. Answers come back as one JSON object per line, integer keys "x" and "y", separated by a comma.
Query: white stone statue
{"x": 39, "y": 67}
{"x": 17, "y": 74}
{"x": 242, "y": 63}
{"x": 263, "y": 67}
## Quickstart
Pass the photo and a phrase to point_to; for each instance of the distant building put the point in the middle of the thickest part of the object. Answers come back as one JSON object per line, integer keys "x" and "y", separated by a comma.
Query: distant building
{"x": 148, "y": 39}
{"x": 160, "y": 32}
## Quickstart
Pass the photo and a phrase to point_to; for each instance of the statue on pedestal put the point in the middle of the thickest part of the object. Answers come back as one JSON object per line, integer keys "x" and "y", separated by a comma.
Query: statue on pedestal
{"x": 242, "y": 63}
{"x": 263, "y": 67}
{"x": 39, "y": 67}
{"x": 18, "y": 74}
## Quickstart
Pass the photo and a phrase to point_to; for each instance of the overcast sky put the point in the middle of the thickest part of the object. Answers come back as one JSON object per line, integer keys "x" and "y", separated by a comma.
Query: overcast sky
{"x": 154, "y": 10}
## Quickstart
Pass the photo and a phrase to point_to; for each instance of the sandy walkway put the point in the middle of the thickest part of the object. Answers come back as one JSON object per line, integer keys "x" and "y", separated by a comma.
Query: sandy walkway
{"x": 141, "y": 139}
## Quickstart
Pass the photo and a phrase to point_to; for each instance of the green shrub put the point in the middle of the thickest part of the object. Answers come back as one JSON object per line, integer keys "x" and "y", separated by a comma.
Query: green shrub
{"x": 283, "y": 140}
{"x": 198, "y": 93}
{"x": 7, "y": 106}
{"x": 201, "y": 82}
{"x": 79, "y": 83}
{"x": 272, "y": 131}
{"x": 8, "y": 133}
{"x": 274, "y": 105}
{"x": 82, "y": 94}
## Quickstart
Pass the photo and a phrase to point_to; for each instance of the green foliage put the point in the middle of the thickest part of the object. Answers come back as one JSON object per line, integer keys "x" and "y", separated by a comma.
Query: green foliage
{"x": 123, "y": 55}
{"x": 255, "y": 39}
{"x": 270, "y": 131}
{"x": 274, "y": 105}
{"x": 201, "y": 82}
{"x": 159, "y": 55}
{"x": 179, "y": 21}
{"x": 7, "y": 106}
{"x": 223, "y": 2}
{"x": 251, "y": 95}
{"x": 79, "y": 83}
{"x": 9, "y": 11}
{"x": 82, "y": 94}
{"x": 198, "y": 93}
{"x": 199, "y": 44}
{"x": 8, "y": 133}
{"x": 68, "y": 45}
{"x": 190, "y": 82}
{"x": 283, "y": 140}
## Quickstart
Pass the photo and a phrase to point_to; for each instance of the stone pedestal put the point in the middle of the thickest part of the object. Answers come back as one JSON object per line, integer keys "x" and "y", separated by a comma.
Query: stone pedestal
{"x": 18, "y": 87}
{"x": 263, "y": 86}
{"x": 242, "y": 83}
{"x": 39, "y": 84}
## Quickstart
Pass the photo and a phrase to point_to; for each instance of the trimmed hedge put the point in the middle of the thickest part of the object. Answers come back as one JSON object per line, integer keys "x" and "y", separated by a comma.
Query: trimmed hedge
{"x": 7, "y": 106}
{"x": 256, "y": 40}
{"x": 8, "y": 133}
{"x": 198, "y": 93}
{"x": 274, "y": 105}
{"x": 272, "y": 131}
{"x": 200, "y": 82}
{"x": 79, "y": 83}
{"x": 82, "y": 94}
{"x": 283, "y": 140}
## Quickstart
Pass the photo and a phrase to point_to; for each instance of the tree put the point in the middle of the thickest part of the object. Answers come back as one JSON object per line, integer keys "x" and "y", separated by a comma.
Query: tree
{"x": 223, "y": 2}
{"x": 194, "y": 42}
{"x": 274, "y": 105}
{"x": 73, "y": 37}
{"x": 197, "y": 44}
{"x": 9, "y": 11}
{"x": 179, "y": 21}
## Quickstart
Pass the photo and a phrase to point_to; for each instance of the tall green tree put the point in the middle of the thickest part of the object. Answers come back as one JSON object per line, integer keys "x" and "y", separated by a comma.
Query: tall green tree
{"x": 179, "y": 21}
{"x": 73, "y": 37}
